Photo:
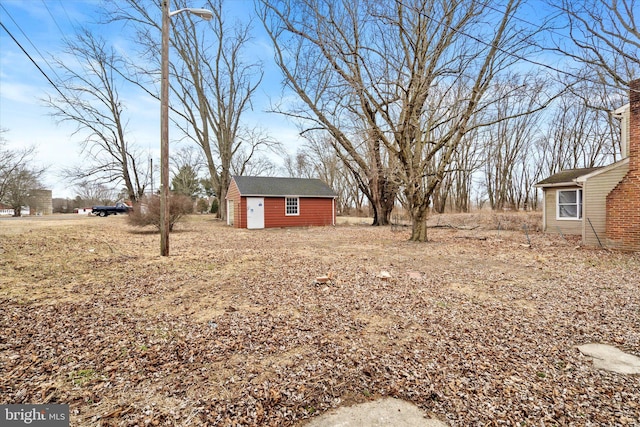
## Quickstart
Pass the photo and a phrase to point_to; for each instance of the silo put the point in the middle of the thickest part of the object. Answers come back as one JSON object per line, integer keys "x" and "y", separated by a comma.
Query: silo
{"x": 40, "y": 202}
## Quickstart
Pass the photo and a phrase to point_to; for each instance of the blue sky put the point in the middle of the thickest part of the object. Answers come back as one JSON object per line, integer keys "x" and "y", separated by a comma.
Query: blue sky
{"x": 39, "y": 26}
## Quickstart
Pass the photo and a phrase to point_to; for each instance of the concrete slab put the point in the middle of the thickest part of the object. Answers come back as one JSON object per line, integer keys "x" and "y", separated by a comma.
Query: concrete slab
{"x": 379, "y": 413}
{"x": 611, "y": 359}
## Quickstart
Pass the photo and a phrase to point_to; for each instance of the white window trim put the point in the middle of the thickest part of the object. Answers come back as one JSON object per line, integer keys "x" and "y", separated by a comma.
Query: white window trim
{"x": 579, "y": 199}
{"x": 297, "y": 206}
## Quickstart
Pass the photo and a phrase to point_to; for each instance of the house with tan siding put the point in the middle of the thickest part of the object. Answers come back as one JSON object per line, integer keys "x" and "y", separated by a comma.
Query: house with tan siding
{"x": 563, "y": 209}
{"x": 267, "y": 202}
{"x": 596, "y": 186}
{"x": 601, "y": 204}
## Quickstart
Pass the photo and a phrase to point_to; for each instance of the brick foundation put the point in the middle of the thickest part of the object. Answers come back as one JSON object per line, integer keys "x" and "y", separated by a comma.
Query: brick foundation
{"x": 623, "y": 202}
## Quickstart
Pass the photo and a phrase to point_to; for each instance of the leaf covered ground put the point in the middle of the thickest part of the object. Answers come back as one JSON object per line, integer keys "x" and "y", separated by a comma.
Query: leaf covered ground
{"x": 476, "y": 327}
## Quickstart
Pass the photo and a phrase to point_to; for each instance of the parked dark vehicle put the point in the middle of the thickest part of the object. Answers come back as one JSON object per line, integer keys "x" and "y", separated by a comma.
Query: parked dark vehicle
{"x": 111, "y": 210}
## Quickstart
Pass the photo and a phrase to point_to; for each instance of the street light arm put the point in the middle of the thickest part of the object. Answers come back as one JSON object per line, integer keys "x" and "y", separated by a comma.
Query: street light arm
{"x": 205, "y": 14}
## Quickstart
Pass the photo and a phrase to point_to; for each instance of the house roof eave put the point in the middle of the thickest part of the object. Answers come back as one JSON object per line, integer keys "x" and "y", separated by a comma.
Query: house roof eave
{"x": 618, "y": 111}
{"x": 615, "y": 165}
{"x": 305, "y": 196}
{"x": 565, "y": 176}
{"x": 573, "y": 183}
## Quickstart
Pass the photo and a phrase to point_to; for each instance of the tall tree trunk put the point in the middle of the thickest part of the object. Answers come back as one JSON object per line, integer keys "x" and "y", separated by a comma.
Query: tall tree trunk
{"x": 383, "y": 190}
{"x": 382, "y": 201}
{"x": 419, "y": 224}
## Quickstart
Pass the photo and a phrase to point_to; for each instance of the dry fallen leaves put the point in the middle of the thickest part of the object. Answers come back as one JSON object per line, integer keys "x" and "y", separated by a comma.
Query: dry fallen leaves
{"x": 232, "y": 330}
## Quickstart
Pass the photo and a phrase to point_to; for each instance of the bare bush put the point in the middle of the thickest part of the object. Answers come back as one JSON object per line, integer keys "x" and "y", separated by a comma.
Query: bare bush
{"x": 488, "y": 220}
{"x": 148, "y": 212}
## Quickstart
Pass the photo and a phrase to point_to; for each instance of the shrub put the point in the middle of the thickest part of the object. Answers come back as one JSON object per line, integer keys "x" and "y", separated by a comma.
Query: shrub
{"x": 148, "y": 212}
{"x": 214, "y": 206}
{"x": 202, "y": 205}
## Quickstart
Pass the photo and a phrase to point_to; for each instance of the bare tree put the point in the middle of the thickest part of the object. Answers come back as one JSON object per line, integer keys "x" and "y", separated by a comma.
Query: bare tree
{"x": 604, "y": 39}
{"x": 216, "y": 87}
{"x": 407, "y": 77}
{"x": 90, "y": 99}
{"x": 510, "y": 142}
{"x": 249, "y": 164}
{"x": 578, "y": 136}
{"x": 317, "y": 49}
{"x": 18, "y": 176}
{"x": 92, "y": 193}
{"x": 329, "y": 168}
{"x": 250, "y": 156}
{"x": 211, "y": 79}
{"x": 18, "y": 186}
{"x": 317, "y": 159}
{"x": 299, "y": 165}
{"x": 13, "y": 163}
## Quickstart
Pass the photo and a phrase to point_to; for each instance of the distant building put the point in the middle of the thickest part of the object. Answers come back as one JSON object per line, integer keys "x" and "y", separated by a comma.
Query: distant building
{"x": 6, "y": 210}
{"x": 40, "y": 202}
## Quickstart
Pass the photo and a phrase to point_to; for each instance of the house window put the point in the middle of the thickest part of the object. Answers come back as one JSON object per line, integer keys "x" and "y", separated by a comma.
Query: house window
{"x": 292, "y": 206}
{"x": 569, "y": 204}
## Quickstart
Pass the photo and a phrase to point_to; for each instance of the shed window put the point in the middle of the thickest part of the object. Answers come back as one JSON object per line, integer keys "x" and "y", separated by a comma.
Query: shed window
{"x": 292, "y": 206}
{"x": 569, "y": 204}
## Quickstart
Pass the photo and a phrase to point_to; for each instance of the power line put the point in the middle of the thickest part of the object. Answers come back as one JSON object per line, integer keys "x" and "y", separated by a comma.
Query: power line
{"x": 44, "y": 3}
{"x": 508, "y": 53}
{"x": 31, "y": 43}
{"x": 551, "y": 31}
{"x": 53, "y": 84}
{"x": 32, "y": 60}
{"x": 64, "y": 9}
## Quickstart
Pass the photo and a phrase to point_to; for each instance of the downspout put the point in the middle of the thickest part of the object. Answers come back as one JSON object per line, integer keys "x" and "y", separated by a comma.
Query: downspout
{"x": 333, "y": 211}
{"x": 544, "y": 209}
{"x": 584, "y": 210}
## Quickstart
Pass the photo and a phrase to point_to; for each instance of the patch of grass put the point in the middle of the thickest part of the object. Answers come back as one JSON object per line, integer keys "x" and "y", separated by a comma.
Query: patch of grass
{"x": 82, "y": 377}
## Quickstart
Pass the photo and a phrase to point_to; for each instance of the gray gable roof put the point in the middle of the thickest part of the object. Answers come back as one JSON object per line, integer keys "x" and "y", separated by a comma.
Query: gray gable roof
{"x": 565, "y": 177}
{"x": 270, "y": 186}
